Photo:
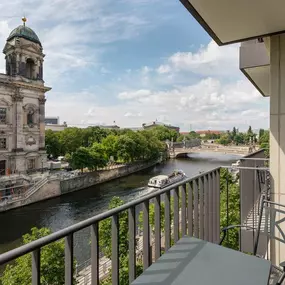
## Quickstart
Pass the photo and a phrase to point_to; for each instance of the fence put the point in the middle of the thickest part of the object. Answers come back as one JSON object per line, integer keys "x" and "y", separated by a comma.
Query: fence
{"x": 199, "y": 212}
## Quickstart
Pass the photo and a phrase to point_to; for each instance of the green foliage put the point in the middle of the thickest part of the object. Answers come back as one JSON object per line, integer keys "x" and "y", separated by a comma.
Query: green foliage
{"x": 239, "y": 138}
{"x": 261, "y": 133}
{"x": 53, "y": 145}
{"x": 192, "y": 135}
{"x": 227, "y": 181}
{"x": 152, "y": 217}
{"x": 105, "y": 231}
{"x": 211, "y": 136}
{"x": 106, "y": 247}
{"x": 70, "y": 140}
{"x": 81, "y": 158}
{"x": 123, "y": 272}
{"x": 225, "y": 139}
{"x": 249, "y": 131}
{"x": 163, "y": 133}
{"x": 52, "y": 263}
{"x": 264, "y": 142}
{"x": 110, "y": 146}
{"x": 93, "y": 147}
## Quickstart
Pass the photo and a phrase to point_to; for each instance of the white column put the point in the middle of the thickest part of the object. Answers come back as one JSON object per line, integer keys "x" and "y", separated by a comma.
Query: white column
{"x": 277, "y": 131}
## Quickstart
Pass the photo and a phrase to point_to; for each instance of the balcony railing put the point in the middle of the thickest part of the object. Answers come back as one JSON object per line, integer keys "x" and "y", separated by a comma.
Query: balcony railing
{"x": 254, "y": 183}
{"x": 196, "y": 204}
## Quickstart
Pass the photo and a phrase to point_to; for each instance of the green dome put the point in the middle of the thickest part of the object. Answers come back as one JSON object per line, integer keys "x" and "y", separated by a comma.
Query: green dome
{"x": 24, "y": 32}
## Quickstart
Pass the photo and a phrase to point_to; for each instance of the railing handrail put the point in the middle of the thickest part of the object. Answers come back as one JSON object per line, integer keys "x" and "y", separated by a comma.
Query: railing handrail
{"x": 27, "y": 248}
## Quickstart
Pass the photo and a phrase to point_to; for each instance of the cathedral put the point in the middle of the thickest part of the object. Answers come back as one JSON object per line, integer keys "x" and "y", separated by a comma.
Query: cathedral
{"x": 22, "y": 104}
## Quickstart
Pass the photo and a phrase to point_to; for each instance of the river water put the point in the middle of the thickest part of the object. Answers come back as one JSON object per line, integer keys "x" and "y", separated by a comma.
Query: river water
{"x": 63, "y": 211}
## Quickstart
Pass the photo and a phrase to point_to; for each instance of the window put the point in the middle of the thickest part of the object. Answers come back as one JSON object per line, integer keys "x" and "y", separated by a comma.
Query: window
{"x": 2, "y": 167}
{"x": 30, "y": 117}
{"x": 29, "y": 68}
{"x": 2, "y": 143}
{"x": 3, "y": 115}
{"x": 31, "y": 163}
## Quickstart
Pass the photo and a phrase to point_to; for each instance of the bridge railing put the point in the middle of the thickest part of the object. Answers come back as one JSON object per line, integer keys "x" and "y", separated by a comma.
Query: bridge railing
{"x": 196, "y": 203}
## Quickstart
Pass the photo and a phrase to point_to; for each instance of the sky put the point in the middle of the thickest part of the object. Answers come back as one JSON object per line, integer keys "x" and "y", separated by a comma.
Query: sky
{"x": 133, "y": 62}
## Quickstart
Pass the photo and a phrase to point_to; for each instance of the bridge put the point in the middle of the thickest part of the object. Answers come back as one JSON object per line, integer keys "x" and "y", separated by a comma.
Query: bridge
{"x": 176, "y": 150}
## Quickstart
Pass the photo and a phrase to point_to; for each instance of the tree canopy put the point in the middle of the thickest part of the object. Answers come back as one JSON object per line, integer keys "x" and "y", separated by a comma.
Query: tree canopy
{"x": 52, "y": 263}
{"x": 93, "y": 147}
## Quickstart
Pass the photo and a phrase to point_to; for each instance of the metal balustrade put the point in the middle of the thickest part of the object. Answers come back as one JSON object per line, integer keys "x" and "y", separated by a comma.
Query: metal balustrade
{"x": 196, "y": 212}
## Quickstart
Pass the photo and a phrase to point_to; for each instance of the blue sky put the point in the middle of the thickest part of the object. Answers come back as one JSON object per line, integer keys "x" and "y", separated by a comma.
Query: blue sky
{"x": 135, "y": 61}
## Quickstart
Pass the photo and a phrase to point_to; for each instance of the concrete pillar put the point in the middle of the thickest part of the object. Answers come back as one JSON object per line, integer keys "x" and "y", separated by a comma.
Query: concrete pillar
{"x": 42, "y": 101}
{"x": 277, "y": 131}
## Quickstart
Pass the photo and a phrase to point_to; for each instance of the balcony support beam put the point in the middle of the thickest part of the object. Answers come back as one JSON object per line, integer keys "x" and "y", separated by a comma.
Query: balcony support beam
{"x": 277, "y": 130}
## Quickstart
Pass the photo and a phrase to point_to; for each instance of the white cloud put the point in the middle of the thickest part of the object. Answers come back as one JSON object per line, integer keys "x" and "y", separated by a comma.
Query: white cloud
{"x": 73, "y": 33}
{"x": 130, "y": 114}
{"x": 134, "y": 94}
{"x": 206, "y": 104}
{"x": 163, "y": 69}
{"x": 209, "y": 60}
{"x": 74, "y": 41}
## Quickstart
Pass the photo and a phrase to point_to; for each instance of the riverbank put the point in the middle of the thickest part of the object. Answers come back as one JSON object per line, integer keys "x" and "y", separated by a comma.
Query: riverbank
{"x": 67, "y": 210}
{"x": 55, "y": 185}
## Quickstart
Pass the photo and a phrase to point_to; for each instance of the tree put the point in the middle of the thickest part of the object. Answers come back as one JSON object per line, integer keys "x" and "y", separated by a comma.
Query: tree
{"x": 224, "y": 140}
{"x": 264, "y": 142}
{"x": 234, "y": 132}
{"x": 81, "y": 158}
{"x": 249, "y": 131}
{"x": 106, "y": 246}
{"x": 261, "y": 133}
{"x": 52, "y": 263}
{"x": 239, "y": 139}
{"x": 98, "y": 156}
{"x": 93, "y": 134}
{"x": 52, "y": 142}
{"x": 154, "y": 146}
{"x": 70, "y": 140}
{"x": 228, "y": 181}
{"x": 163, "y": 133}
{"x": 110, "y": 145}
{"x": 93, "y": 147}
{"x": 126, "y": 148}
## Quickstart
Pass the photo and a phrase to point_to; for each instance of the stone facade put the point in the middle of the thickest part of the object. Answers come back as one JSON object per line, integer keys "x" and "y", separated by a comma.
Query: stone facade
{"x": 22, "y": 107}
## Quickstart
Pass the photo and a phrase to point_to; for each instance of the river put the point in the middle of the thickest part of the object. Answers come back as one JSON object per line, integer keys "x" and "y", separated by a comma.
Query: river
{"x": 72, "y": 208}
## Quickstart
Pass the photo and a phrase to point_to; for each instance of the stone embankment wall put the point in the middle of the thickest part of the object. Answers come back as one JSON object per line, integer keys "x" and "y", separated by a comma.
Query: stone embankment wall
{"x": 55, "y": 187}
{"x": 47, "y": 191}
{"x": 92, "y": 178}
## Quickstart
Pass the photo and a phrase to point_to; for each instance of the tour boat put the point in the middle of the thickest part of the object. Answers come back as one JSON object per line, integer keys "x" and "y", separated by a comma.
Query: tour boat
{"x": 162, "y": 181}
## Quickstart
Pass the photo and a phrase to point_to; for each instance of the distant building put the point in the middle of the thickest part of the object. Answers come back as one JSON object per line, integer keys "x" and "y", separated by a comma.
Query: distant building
{"x": 56, "y": 128}
{"x": 52, "y": 120}
{"x": 208, "y": 132}
{"x": 155, "y": 124}
{"x": 110, "y": 127}
{"x": 52, "y": 123}
{"x": 184, "y": 133}
{"x": 135, "y": 129}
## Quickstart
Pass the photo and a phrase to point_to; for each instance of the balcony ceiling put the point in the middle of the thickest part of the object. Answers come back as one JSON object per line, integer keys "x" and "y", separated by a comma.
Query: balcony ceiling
{"x": 230, "y": 21}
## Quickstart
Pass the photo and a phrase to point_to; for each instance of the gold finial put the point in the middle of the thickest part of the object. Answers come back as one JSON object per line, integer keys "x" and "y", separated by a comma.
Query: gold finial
{"x": 24, "y": 19}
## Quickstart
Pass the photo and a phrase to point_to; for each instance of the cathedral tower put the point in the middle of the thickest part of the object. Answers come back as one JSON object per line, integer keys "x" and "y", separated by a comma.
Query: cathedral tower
{"x": 22, "y": 103}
